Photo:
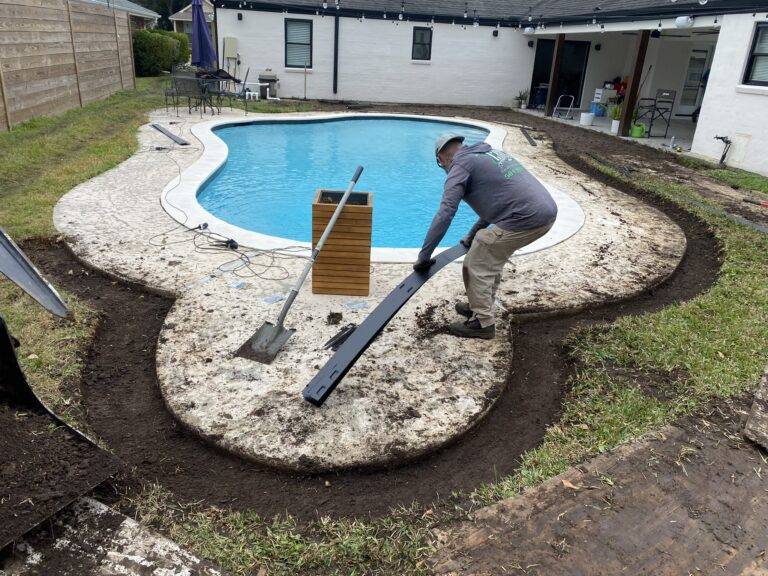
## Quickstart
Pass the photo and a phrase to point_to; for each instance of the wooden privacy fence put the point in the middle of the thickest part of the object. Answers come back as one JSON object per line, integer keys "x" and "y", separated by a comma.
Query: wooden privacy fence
{"x": 60, "y": 54}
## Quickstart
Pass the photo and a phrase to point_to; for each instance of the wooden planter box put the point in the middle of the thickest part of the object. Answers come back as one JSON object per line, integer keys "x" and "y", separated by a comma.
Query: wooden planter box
{"x": 344, "y": 263}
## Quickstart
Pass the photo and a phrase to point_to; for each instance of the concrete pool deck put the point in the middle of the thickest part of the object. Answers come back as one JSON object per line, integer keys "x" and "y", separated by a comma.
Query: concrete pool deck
{"x": 415, "y": 389}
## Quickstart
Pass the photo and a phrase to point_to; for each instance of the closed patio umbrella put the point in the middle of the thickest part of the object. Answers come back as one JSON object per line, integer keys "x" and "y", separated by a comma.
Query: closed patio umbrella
{"x": 203, "y": 52}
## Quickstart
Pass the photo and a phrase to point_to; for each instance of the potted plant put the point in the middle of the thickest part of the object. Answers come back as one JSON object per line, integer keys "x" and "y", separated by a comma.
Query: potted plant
{"x": 615, "y": 119}
{"x": 522, "y": 98}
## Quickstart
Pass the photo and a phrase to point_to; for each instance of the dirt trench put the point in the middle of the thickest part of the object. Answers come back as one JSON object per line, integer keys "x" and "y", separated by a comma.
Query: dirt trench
{"x": 121, "y": 395}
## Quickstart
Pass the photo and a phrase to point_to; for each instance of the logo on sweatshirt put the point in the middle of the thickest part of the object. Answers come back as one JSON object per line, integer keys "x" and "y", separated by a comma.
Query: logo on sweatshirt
{"x": 508, "y": 166}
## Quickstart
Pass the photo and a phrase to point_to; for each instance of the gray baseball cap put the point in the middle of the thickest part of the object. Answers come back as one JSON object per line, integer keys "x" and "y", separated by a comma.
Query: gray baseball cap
{"x": 444, "y": 140}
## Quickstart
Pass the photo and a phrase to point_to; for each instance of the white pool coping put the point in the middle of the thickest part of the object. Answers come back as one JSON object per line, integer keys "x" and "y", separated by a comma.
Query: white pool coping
{"x": 179, "y": 197}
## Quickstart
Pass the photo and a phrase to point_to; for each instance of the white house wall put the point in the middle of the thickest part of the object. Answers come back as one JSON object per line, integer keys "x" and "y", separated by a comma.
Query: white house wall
{"x": 468, "y": 66}
{"x": 731, "y": 108}
{"x": 604, "y": 64}
{"x": 261, "y": 44}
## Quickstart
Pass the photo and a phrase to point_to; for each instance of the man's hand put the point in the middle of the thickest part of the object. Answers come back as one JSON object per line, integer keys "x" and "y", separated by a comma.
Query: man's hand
{"x": 423, "y": 265}
{"x": 467, "y": 241}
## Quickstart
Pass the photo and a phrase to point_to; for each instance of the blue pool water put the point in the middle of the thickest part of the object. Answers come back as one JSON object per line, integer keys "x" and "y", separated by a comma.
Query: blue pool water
{"x": 274, "y": 170}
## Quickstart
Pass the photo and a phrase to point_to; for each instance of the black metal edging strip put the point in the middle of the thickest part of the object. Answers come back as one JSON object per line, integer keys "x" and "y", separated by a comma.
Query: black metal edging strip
{"x": 528, "y": 137}
{"x": 180, "y": 141}
{"x": 329, "y": 376}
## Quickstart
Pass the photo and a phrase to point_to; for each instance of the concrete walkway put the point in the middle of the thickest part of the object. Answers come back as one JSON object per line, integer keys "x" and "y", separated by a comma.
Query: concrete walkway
{"x": 689, "y": 500}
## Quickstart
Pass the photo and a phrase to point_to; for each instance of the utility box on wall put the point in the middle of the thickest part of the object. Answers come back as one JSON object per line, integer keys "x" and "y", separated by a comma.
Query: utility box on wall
{"x": 344, "y": 264}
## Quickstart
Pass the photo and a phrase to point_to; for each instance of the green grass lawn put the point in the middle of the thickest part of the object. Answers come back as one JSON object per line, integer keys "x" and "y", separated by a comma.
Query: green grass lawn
{"x": 716, "y": 342}
{"x": 739, "y": 179}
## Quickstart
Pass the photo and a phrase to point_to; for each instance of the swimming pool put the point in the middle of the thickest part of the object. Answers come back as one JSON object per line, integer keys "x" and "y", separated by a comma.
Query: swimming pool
{"x": 225, "y": 188}
{"x": 275, "y": 168}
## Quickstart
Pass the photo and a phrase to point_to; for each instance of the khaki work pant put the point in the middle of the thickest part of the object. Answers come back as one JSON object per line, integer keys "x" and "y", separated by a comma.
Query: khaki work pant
{"x": 484, "y": 265}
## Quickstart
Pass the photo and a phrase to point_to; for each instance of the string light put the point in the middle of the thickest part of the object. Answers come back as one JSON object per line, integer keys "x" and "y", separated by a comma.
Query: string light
{"x": 325, "y": 5}
{"x": 466, "y": 12}
{"x": 475, "y": 21}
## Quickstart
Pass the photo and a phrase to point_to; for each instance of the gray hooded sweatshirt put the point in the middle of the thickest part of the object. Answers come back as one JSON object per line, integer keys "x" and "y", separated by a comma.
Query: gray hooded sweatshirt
{"x": 497, "y": 188}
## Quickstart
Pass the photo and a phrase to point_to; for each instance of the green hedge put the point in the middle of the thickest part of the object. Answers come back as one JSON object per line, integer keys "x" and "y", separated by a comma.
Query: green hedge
{"x": 156, "y": 51}
{"x": 184, "y": 52}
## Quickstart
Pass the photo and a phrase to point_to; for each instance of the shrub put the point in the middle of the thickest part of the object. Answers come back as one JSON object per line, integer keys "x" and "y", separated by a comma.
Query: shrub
{"x": 183, "y": 51}
{"x": 155, "y": 51}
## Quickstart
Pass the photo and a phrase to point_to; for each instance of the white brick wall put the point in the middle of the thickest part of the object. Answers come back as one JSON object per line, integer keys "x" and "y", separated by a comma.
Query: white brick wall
{"x": 730, "y": 108}
{"x": 468, "y": 66}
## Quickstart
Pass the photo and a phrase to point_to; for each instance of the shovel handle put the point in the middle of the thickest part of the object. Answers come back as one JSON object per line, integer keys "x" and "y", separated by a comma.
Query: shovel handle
{"x": 319, "y": 246}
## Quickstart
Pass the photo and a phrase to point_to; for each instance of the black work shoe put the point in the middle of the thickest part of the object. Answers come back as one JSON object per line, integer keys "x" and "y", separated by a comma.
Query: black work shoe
{"x": 463, "y": 309}
{"x": 472, "y": 329}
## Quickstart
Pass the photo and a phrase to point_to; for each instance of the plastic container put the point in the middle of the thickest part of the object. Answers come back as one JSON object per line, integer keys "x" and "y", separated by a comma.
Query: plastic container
{"x": 586, "y": 118}
{"x": 597, "y": 109}
{"x": 637, "y": 130}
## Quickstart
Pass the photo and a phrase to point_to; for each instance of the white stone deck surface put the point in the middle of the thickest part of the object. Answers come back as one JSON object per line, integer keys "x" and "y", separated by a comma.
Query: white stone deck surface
{"x": 414, "y": 390}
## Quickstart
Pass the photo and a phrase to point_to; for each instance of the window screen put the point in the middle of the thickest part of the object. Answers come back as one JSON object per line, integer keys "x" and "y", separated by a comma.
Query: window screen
{"x": 298, "y": 43}
{"x": 422, "y": 44}
{"x": 757, "y": 68}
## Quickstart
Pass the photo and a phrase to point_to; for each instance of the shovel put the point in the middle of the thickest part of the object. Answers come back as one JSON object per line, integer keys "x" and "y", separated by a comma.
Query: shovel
{"x": 270, "y": 338}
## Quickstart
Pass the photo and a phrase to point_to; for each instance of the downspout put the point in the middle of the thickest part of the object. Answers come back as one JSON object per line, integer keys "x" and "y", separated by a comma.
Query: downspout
{"x": 336, "y": 54}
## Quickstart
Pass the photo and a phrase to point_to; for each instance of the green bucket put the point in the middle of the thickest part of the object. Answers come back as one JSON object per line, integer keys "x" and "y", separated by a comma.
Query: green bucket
{"x": 637, "y": 131}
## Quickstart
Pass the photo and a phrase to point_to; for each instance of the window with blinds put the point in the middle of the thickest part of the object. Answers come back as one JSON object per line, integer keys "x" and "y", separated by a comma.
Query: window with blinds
{"x": 757, "y": 67}
{"x": 422, "y": 44}
{"x": 298, "y": 43}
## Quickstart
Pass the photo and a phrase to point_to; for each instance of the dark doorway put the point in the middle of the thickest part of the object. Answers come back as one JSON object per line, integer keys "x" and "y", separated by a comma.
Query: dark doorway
{"x": 572, "y": 70}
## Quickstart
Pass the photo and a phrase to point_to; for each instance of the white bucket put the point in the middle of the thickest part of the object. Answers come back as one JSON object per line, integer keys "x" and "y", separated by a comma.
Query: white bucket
{"x": 586, "y": 119}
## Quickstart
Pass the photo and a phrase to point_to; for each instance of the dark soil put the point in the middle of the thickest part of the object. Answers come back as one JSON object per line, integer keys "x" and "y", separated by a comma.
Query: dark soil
{"x": 43, "y": 467}
{"x": 690, "y": 501}
{"x": 125, "y": 409}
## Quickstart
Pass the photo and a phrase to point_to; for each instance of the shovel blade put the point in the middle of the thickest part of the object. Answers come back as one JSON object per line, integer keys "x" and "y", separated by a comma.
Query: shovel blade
{"x": 268, "y": 341}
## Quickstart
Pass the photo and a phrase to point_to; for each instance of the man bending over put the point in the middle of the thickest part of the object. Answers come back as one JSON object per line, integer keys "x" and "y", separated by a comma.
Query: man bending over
{"x": 504, "y": 195}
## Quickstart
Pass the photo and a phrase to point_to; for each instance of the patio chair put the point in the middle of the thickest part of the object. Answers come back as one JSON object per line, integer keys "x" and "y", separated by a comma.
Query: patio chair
{"x": 240, "y": 94}
{"x": 193, "y": 90}
{"x": 660, "y": 107}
